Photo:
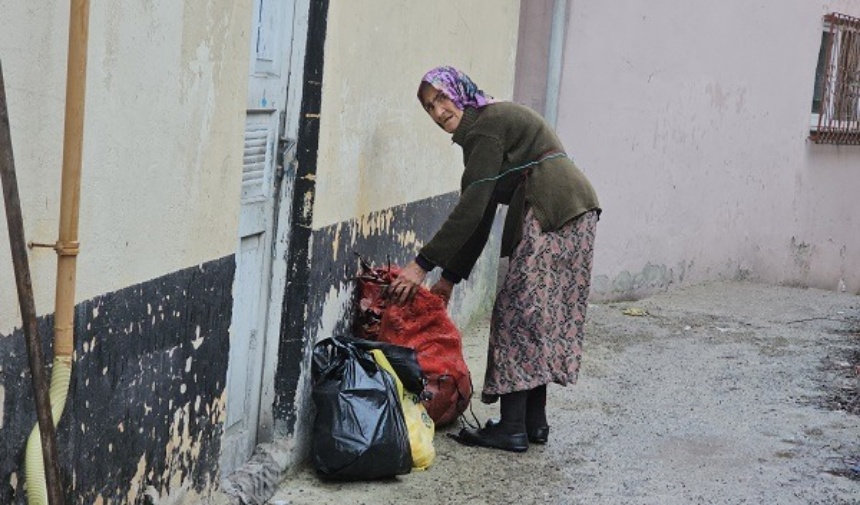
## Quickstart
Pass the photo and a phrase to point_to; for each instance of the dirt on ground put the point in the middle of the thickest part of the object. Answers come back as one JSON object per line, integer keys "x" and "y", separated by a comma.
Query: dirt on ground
{"x": 722, "y": 393}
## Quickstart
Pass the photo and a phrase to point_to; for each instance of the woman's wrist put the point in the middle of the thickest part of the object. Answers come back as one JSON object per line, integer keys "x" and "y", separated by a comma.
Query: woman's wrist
{"x": 451, "y": 277}
{"x": 424, "y": 263}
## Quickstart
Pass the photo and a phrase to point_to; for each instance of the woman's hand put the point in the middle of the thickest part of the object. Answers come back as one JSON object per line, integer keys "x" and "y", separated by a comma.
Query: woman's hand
{"x": 404, "y": 287}
{"x": 443, "y": 288}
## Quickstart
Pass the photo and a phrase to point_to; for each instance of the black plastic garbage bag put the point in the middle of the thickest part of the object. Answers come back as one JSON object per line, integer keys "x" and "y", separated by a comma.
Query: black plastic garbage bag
{"x": 359, "y": 432}
{"x": 404, "y": 361}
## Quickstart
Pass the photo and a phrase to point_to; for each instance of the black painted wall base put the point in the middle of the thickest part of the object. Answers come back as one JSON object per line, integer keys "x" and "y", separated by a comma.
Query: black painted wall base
{"x": 145, "y": 407}
{"x": 335, "y": 265}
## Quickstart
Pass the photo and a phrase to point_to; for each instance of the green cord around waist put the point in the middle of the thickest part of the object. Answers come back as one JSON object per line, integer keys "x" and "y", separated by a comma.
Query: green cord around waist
{"x": 518, "y": 169}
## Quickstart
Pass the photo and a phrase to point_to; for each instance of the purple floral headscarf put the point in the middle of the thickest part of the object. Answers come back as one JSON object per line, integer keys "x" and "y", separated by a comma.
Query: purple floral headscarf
{"x": 458, "y": 86}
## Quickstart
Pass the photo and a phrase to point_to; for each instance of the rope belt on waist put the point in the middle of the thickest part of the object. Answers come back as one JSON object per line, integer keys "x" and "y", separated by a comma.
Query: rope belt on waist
{"x": 520, "y": 168}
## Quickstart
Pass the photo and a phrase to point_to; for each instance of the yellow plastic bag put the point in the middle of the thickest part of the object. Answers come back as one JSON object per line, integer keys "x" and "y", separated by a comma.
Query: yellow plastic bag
{"x": 418, "y": 423}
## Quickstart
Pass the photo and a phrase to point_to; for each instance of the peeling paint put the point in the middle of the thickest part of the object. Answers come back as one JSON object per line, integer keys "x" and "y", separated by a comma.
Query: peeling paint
{"x": 336, "y": 309}
{"x": 391, "y": 234}
{"x": 335, "y": 243}
{"x": 127, "y": 385}
{"x": 136, "y": 483}
{"x": 409, "y": 238}
{"x": 197, "y": 342}
{"x": 295, "y": 306}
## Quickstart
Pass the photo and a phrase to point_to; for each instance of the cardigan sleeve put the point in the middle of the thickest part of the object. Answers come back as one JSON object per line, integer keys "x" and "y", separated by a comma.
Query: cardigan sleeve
{"x": 459, "y": 242}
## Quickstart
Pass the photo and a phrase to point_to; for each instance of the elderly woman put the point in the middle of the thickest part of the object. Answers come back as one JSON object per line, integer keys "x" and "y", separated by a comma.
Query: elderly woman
{"x": 513, "y": 157}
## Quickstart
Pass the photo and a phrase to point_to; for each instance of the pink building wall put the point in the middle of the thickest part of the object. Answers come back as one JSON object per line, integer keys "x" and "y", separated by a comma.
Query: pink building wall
{"x": 691, "y": 119}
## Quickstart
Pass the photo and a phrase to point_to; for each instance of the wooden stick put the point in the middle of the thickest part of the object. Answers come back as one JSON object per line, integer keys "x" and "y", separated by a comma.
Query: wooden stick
{"x": 18, "y": 245}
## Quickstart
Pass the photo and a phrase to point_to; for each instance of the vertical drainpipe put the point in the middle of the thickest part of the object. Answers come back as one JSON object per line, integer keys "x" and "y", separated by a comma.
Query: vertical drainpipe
{"x": 556, "y": 46}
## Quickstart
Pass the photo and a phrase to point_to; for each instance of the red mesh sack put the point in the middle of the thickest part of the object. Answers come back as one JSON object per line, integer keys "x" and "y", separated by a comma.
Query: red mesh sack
{"x": 423, "y": 325}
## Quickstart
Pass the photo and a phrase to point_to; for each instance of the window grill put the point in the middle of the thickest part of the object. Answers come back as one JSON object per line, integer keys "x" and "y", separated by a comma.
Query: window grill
{"x": 836, "y": 100}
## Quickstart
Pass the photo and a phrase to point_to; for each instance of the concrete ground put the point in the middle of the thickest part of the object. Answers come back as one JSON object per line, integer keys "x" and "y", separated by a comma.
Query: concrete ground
{"x": 723, "y": 393}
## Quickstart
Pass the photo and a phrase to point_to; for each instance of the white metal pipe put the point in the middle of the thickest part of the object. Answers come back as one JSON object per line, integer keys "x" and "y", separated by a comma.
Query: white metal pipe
{"x": 556, "y": 50}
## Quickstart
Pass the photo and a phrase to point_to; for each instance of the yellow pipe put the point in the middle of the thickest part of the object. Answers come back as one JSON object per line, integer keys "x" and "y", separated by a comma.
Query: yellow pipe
{"x": 70, "y": 196}
{"x": 34, "y": 467}
{"x": 67, "y": 243}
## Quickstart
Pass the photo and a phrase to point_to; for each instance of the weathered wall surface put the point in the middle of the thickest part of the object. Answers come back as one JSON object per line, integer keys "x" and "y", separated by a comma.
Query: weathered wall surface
{"x": 377, "y": 146}
{"x": 145, "y": 404}
{"x": 691, "y": 119}
{"x": 163, "y": 133}
{"x": 378, "y": 149}
{"x": 385, "y": 176}
{"x": 159, "y": 209}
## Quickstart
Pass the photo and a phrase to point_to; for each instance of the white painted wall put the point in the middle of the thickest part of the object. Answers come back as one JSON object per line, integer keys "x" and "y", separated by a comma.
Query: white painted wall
{"x": 378, "y": 148}
{"x": 166, "y": 89}
{"x": 691, "y": 119}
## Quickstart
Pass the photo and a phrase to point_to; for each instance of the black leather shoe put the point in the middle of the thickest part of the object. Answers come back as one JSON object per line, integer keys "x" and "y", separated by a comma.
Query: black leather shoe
{"x": 491, "y": 437}
{"x": 538, "y": 435}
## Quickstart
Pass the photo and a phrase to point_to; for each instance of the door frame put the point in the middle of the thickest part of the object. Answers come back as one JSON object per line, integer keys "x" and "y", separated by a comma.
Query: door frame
{"x": 293, "y": 15}
{"x": 281, "y": 243}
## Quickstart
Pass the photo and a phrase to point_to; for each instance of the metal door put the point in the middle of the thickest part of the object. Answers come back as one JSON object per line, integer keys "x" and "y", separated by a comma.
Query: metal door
{"x": 262, "y": 174}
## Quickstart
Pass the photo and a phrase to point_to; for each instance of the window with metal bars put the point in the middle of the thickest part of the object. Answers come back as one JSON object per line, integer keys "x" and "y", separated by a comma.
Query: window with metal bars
{"x": 836, "y": 99}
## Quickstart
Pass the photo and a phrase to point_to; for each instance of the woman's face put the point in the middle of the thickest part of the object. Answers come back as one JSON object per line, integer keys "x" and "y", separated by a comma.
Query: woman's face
{"x": 441, "y": 109}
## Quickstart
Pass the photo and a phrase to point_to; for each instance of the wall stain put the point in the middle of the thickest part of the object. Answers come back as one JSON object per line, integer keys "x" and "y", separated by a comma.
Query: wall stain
{"x": 628, "y": 285}
{"x": 719, "y": 99}
{"x": 801, "y": 257}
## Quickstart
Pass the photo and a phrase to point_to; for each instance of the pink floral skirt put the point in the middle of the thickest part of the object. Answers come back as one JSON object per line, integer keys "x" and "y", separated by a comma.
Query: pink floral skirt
{"x": 536, "y": 330}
